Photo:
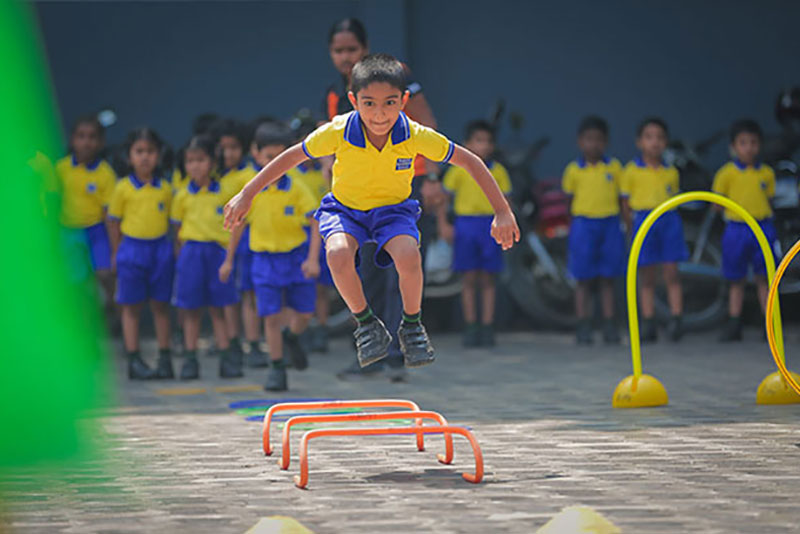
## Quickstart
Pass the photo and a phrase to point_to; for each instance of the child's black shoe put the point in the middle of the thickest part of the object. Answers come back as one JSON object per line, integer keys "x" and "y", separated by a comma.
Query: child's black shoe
{"x": 610, "y": 332}
{"x": 415, "y": 344}
{"x": 583, "y": 334}
{"x": 230, "y": 365}
{"x": 471, "y": 337}
{"x": 164, "y": 366}
{"x": 732, "y": 330}
{"x": 257, "y": 359}
{"x": 297, "y": 354}
{"x": 276, "y": 379}
{"x": 319, "y": 339}
{"x": 138, "y": 369}
{"x": 190, "y": 370}
{"x": 486, "y": 337}
{"x": 372, "y": 342}
{"x": 675, "y": 328}
{"x": 649, "y": 331}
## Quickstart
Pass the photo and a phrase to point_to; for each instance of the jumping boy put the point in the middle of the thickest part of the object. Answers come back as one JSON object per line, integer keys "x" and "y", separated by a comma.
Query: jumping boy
{"x": 375, "y": 146}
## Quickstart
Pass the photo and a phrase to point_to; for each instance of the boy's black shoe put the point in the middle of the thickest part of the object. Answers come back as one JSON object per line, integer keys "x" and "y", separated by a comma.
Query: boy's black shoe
{"x": 583, "y": 334}
{"x": 610, "y": 332}
{"x": 257, "y": 359}
{"x": 319, "y": 339}
{"x": 675, "y": 328}
{"x": 164, "y": 366}
{"x": 372, "y": 342}
{"x": 486, "y": 336}
{"x": 138, "y": 369}
{"x": 732, "y": 330}
{"x": 190, "y": 370}
{"x": 649, "y": 331}
{"x": 276, "y": 379}
{"x": 415, "y": 344}
{"x": 354, "y": 371}
{"x": 471, "y": 337}
{"x": 230, "y": 365}
{"x": 297, "y": 354}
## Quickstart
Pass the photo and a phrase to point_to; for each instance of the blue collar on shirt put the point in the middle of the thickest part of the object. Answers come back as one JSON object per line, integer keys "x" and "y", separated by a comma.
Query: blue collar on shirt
{"x": 581, "y": 161}
{"x": 193, "y": 188}
{"x": 741, "y": 166}
{"x": 640, "y": 162}
{"x": 354, "y": 132}
{"x": 242, "y": 165}
{"x": 284, "y": 183}
{"x": 89, "y": 166}
{"x": 137, "y": 183}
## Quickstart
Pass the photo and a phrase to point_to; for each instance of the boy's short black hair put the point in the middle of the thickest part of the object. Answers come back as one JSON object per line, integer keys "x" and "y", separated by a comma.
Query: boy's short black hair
{"x": 202, "y": 142}
{"x": 231, "y": 128}
{"x": 657, "y": 121}
{"x": 92, "y": 120}
{"x": 593, "y": 122}
{"x": 378, "y": 68}
{"x": 479, "y": 125}
{"x": 273, "y": 133}
{"x": 745, "y": 126}
{"x": 204, "y": 123}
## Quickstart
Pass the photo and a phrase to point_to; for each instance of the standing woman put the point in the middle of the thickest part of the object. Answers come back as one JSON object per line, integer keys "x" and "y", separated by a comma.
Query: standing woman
{"x": 347, "y": 44}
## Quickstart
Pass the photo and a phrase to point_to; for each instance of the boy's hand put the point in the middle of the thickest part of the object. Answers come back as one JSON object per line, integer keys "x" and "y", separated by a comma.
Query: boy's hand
{"x": 225, "y": 271}
{"x": 310, "y": 268}
{"x": 236, "y": 209}
{"x": 505, "y": 230}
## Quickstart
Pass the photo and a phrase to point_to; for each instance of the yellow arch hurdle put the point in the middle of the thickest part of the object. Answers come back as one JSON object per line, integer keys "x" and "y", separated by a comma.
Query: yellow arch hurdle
{"x": 640, "y": 390}
{"x": 775, "y": 382}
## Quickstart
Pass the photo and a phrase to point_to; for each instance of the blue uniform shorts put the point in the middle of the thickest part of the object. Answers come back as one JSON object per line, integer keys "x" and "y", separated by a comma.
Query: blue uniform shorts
{"x": 474, "y": 248}
{"x": 740, "y": 249}
{"x": 596, "y": 248}
{"x": 664, "y": 242}
{"x": 377, "y": 225}
{"x": 197, "y": 282}
{"x": 279, "y": 282}
{"x": 99, "y": 246}
{"x": 145, "y": 268}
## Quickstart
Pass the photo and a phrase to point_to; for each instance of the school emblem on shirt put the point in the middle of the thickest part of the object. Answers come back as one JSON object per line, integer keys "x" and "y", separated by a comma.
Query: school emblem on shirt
{"x": 403, "y": 164}
{"x": 160, "y": 206}
{"x": 91, "y": 187}
{"x": 219, "y": 210}
{"x": 763, "y": 186}
{"x": 609, "y": 177}
{"x": 669, "y": 189}
{"x": 288, "y": 210}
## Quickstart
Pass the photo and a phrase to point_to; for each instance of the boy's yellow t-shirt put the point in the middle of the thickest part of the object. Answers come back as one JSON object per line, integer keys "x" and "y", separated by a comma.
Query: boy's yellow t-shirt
{"x": 311, "y": 177}
{"x": 364, "y": 177}
{"x": 751, "y": 187}
{"x": 86, "y": 191}
{"x": 279, "y": 215}
{"x": 468, "y": 197}
{"x": 595, "y": 189}
{"x": 235, "y": 179}
{"x": 647, "y": 187}
{"x": 142, "y": 207}
{"x": 199, "y": 211}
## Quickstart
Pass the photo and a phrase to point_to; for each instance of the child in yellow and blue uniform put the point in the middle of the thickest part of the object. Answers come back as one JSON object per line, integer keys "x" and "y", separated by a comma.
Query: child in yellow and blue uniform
{"x": 375, "y": 147}
{"x": 197, "y": 210}
{"x": 751, "y": 184}
{"x": 596, "y": 240}
{"x": 285, "y": 256}
{"x": 142, "y": 252}
{"x": 475, "y": 254}
{"x": 647, "y": 182}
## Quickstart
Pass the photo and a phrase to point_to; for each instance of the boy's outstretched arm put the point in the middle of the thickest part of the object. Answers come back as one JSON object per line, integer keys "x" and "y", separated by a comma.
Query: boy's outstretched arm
{"x": 226, "y": 268}
{"x": 238, "y": 206}
{"x": 504, "y": 227}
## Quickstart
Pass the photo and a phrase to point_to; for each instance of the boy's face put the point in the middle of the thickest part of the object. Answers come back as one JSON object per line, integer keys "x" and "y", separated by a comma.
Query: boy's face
{"x": 746, "y": 146}
{"x": 144, "y": 157}
{"x": 592, "y": 144}
{"x": 266, "y": 153}
{"x": 231, "y": 151}
{"x": 481, "y": 143}
{"x": 198, "y": 165}
{"x": 86, "y": 142}
{"x": 379, "y": 105}
{"x": 652, "y": 141}
{"x": 346, "y": 51}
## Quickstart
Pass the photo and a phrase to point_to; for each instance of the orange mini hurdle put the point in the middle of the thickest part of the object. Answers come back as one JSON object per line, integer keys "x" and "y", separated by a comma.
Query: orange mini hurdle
{"x": 445, "y": 458}
{"x": 321, "y": 405}
{"x": 301, "y": 480}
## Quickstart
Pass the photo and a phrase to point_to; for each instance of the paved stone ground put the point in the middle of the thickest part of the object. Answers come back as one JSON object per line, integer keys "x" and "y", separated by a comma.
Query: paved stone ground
{"x": 711, "y": 461}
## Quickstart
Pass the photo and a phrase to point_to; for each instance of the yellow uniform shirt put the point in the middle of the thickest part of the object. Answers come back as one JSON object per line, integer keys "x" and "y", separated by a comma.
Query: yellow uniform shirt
{"x": 179, "y": 181}
{"x": 86, "y": 191}
{"x": 366, "y": 178}
{"x": 199, "y": 211}
{"x": 647, "y": 187}
{"x": 594, "y": 188}
{"x": 751, "y": 187}
{"x": 468, "y": 195}
{"x": 235, "y": 179}
{"x": 311, "y": 177}
{"x": 142, "y": 207}
{"x": 279, "y": 215}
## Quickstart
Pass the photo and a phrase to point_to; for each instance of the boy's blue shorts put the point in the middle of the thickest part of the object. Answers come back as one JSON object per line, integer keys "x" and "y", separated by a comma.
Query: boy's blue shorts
{"x": 197, "y": 282}
{"x": 279, "y": 281}
{"x": 377, "y": 225}
{"x": 99, "y": 246}
{"x": 596, "y": 248}
{"x": 243, "y": 263}
{"x": 144, "y": 270}
{"x": 740, "y": 249}
{"x": 664, "y": 242}
{"x": 474, "y": 248}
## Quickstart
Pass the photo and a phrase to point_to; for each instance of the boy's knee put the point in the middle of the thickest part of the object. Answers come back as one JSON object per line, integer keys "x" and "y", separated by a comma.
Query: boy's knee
{"x": 339, "y": 255}
{"x": 407, "y": 259}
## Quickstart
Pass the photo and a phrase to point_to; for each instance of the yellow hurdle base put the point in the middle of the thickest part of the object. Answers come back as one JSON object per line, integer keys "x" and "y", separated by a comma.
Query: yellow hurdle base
{"x": 639, "y": 392}
{"x": 775, "y": 390}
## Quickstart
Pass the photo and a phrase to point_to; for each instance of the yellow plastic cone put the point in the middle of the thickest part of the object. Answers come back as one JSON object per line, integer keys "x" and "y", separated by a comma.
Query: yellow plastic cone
{"x": 579, "y": 520}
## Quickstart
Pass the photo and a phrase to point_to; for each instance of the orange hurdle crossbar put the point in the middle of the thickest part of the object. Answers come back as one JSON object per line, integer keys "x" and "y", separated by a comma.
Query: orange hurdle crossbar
{"x": 301, "y": 480}
{"x": 445, "y": 458}
{"x": 321, "y": 405}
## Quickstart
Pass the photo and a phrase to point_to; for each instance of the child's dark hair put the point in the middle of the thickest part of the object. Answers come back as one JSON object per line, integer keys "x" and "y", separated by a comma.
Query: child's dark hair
{"x": 231, "y": 128}
{"x": 745, "y": 126}
{"x": 351, "y": 25}
{"x": 202, "y": 142}
{"x": 378, "y": 68}
{"x": 92, "y": 120}
{"x": 478, "y": 125}
{"x": 273, "y": 133}
{"x": 657, "y": 121}
{"x": 593, "y": 122}
{"x": 143, "y": 134}
{"x": 204, "y": 123}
